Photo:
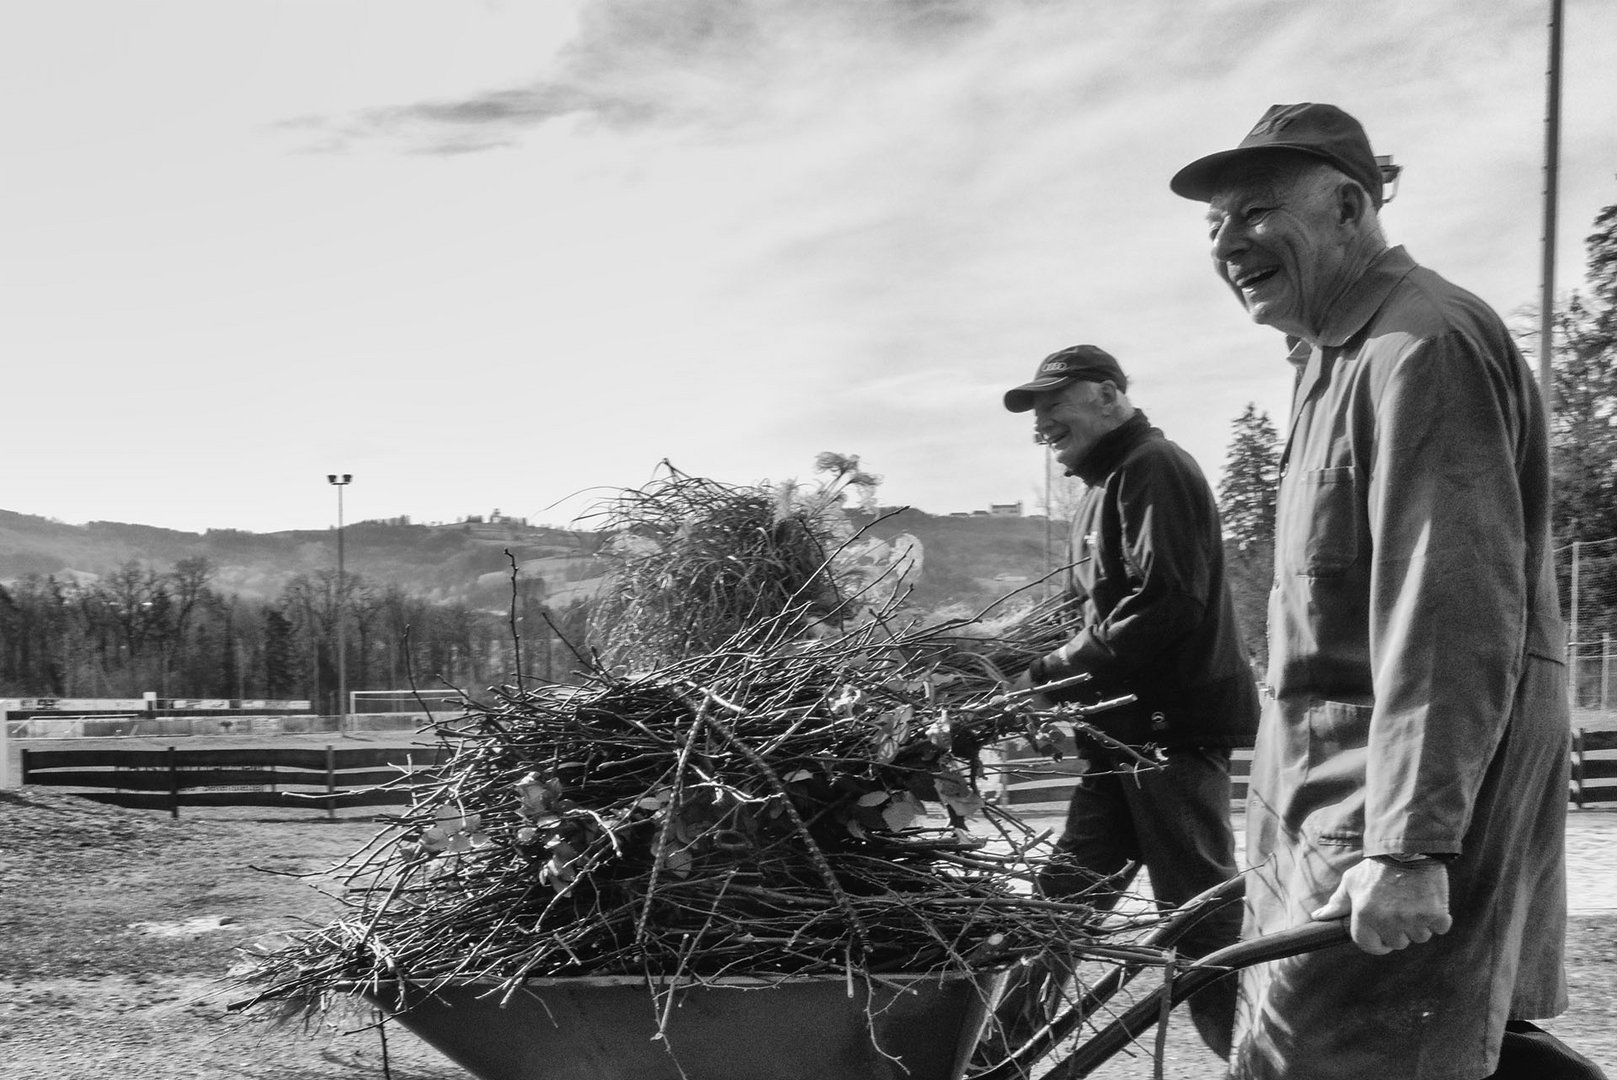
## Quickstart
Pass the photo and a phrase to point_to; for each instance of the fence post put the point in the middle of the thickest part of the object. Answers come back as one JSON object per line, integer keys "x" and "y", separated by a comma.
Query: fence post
{"x": 1605, "y": 668}
{"x": 1577, "y": 768}
{"x": 173, "y": 783}
{"x": 331, "y": 784}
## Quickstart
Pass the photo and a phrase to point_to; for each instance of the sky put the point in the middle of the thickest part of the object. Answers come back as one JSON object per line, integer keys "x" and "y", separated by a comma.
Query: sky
{"x": 486, "y": 255}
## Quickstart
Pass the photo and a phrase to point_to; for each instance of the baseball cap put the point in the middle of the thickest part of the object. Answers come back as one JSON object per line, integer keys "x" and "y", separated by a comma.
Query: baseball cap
{"x": 1323, "y": 131}
{"x": 1060, "y": 368}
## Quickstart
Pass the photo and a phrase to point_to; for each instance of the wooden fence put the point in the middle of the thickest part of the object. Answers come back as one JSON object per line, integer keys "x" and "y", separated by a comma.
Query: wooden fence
{"x": 331, "y": 779}
{"x": 1594, "y": 767}
{"x": 302, "y": 778}
{"x": 1034, "y": 784}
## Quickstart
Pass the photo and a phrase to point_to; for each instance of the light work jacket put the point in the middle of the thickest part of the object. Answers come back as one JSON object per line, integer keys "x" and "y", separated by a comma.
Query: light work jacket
{"x": 1419, "y": 692}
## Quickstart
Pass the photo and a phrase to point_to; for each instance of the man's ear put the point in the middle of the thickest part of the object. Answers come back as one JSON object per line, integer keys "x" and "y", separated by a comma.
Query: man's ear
{"x": 1352, "y": 202}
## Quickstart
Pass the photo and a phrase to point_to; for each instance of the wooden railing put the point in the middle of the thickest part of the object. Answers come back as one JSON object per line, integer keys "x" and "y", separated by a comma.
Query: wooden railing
{"x": 1038, "y": 784}
{"x": 332, "y": 778}
{"x": 1594, "y": 767}
{"x": 295, "y": 777}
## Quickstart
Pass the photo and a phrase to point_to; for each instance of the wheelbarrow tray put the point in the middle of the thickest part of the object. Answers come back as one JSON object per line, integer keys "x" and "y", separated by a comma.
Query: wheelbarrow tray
{"x": 903, "y": 1027}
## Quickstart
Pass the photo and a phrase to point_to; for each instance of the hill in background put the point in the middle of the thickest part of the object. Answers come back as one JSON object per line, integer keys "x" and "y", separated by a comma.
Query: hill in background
{"x": 968, "y": 561}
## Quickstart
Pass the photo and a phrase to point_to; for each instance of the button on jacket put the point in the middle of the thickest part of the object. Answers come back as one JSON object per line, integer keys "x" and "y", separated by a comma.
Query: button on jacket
{"x": 1420, "y": 706}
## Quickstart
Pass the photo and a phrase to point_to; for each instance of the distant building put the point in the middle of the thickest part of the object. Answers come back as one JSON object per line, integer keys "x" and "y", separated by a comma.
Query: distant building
{"x": 1014, "y": 510}
{"x": 495, "y": 525}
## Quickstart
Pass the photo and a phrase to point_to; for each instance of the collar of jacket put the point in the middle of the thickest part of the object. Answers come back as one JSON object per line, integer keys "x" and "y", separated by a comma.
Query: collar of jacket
{"x": 1110, "y": 449}
{"x": 1360, "y": 303}
{"x": 1345, "y": 321}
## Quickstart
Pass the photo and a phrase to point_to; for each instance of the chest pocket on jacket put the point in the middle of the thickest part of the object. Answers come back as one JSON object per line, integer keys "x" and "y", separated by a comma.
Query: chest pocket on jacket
{"x": 1329, "y": 505}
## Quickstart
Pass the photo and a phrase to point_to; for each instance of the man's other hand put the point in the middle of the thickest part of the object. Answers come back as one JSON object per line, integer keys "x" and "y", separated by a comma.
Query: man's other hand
{"x": 1392, "y": 907}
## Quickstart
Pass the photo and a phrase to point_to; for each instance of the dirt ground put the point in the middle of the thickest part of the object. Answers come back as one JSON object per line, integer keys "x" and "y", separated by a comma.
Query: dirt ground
{"x": 119, "y": 927}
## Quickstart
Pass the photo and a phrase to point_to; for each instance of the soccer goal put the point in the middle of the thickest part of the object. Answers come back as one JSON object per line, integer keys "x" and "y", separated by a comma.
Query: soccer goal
{"x": 415, "y": 702}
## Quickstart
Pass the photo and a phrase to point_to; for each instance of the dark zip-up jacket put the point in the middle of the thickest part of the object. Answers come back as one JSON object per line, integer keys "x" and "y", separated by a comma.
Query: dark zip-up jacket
{"x": 1148, "y": 578}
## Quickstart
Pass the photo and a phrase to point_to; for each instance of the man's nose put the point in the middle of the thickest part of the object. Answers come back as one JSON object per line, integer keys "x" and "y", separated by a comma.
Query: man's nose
{"x": 1228, "y": 239}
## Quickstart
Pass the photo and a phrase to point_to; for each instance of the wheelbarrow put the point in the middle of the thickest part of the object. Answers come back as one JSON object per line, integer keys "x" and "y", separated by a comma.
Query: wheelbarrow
{"x": 911, "y": 1027}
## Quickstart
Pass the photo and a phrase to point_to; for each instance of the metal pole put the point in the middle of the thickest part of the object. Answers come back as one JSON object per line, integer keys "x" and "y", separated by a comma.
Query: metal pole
{"x": 1572, "y": 658}
{"x": 342, "y": 631}
{"x": 341, "y": 480}
{"x": 1552, "y": 153}
{"x": 1049, "y": 522}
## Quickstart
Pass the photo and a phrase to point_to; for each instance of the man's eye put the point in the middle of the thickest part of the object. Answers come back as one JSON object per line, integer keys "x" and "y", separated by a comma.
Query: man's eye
{"x": 1255, "y": 214}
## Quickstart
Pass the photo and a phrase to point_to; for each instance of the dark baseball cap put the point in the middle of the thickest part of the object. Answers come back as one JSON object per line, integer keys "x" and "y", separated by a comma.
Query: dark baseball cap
{"x": 1322, "y": 131}
{"x": 1071, "y": 364}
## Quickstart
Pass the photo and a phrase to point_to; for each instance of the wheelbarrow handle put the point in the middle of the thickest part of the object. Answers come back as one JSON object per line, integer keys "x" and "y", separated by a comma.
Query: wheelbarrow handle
{"x": 1309, "y": 937}
{"x": 1093, "y": 997}
{"x": 1147, "y": 1012}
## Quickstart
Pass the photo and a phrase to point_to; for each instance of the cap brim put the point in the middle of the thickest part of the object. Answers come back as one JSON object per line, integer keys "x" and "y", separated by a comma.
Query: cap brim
{"x": 1021, "y": 398}
{"x": 1199, "y": 179}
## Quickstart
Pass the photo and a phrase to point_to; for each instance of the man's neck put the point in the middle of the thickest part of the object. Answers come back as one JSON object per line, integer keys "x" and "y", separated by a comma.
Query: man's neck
{"x": 1357, "y": 258}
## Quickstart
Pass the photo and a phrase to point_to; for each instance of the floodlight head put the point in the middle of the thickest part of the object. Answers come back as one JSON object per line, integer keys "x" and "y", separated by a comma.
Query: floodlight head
{"x": 1389, "y": 176}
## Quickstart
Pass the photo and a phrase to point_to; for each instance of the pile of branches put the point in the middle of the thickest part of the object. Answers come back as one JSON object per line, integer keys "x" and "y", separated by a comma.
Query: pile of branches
{"x": 694, "y": 561}
{"x": 760, "y": 809}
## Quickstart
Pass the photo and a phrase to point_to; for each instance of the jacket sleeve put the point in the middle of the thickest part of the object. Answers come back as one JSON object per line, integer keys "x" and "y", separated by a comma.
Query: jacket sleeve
{"x": 1448, "y": 588}
{"x": 1158, "y": 514}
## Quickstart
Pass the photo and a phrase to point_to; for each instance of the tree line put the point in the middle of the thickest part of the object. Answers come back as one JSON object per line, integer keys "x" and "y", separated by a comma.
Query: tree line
{"x": 140, "y": 629}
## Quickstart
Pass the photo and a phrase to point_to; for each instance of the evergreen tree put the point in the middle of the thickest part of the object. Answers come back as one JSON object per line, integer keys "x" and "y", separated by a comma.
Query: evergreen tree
{"x": 1583, "y": 436}
{"x": 279, "y": 674}
{"x": 1584, "y": 418}
{"x": 1246, "y": 500}
{"x": 1246, "y": 497}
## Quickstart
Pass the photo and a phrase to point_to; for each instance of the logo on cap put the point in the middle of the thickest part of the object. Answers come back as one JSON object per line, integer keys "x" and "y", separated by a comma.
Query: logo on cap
{"x": 1270, "y": 125}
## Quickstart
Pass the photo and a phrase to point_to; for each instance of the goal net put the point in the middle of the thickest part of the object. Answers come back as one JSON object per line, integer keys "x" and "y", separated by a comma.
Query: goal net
{"x": 418, "y": 702}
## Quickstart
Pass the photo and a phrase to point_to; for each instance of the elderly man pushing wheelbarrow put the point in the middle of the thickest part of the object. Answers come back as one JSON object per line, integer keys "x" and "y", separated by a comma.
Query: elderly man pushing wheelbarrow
{"x": 1411, "y": 772}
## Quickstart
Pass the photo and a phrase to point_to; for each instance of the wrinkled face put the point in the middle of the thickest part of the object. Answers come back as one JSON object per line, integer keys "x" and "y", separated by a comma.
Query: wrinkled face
{"x": 1072, "y": 419}
{"x": 1278, "y": 243}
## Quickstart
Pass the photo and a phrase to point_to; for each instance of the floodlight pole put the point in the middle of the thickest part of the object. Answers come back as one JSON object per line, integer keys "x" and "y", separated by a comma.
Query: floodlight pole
{"x": 1552, "y": 153}
{"x": 340, "y": 481}
{"x": 1049, "y": 522}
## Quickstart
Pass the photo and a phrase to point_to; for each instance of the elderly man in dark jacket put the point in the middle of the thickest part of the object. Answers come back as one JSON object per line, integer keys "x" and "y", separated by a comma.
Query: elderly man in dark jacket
{"x": 1155, "y": 619}
{"x": 1411, "y": 772}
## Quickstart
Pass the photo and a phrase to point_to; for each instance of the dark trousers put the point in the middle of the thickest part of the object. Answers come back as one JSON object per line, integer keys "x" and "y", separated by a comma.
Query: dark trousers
{"x": 1530, "y": 1053}
{"x": 1175, "y": 821}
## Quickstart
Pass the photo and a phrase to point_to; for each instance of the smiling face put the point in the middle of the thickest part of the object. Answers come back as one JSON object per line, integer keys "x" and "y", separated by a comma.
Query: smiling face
{"x": 1072, "y": 419}
{"x": 1285, "y": 232}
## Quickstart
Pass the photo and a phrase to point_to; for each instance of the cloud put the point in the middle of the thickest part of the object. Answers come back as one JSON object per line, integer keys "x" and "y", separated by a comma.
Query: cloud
{"x": 707, "y": 66}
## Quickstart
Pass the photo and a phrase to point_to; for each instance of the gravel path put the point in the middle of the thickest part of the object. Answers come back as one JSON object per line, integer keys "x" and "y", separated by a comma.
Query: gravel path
{"x": 119, "y": 926}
